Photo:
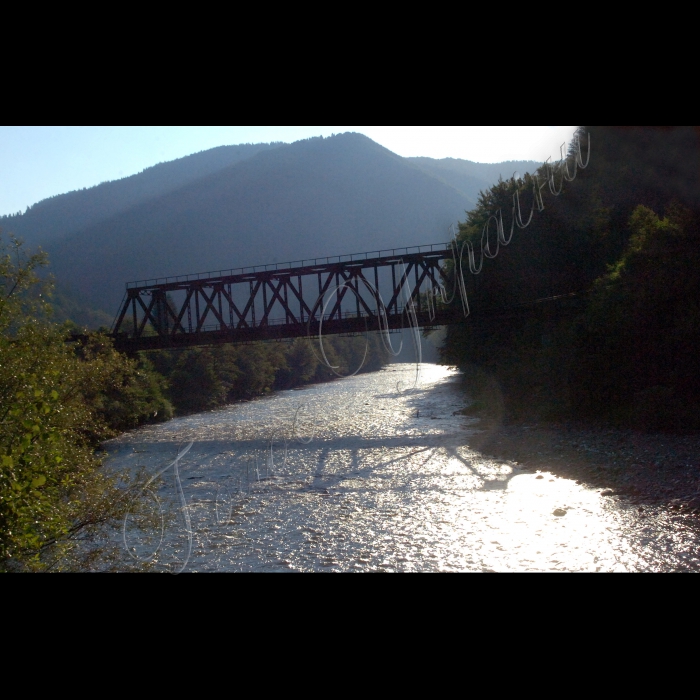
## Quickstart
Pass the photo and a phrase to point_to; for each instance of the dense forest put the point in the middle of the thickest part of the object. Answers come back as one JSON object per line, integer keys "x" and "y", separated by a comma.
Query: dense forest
{"x": 612, "y": 263}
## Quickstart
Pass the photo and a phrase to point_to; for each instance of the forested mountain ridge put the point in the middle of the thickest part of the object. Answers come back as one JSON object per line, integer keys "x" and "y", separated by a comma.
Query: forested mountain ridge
{"x": 471, "y": 178}
{"x": 310, "y": 199}
{"x": 245, "y": 205}
{"x": 66, "y": 214}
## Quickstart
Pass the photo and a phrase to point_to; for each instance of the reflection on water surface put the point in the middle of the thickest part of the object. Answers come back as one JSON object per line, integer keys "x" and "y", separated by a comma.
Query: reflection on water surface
{"x": 388, "y": 481}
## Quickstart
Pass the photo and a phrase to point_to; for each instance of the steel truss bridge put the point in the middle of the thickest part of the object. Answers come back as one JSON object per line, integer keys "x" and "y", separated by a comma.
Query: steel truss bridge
{"x": 351, "y": 294}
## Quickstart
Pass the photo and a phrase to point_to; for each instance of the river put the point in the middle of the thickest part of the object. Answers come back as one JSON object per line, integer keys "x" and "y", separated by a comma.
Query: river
{"x": 371, "y": 474}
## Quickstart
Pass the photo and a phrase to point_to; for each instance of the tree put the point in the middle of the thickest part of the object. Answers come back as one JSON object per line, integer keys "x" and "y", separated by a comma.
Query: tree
{"x": 195, "y": 384}
{"x": 57, "y": 502}
{"x": 637, "y": 344}
{"x": 300, "y": 365}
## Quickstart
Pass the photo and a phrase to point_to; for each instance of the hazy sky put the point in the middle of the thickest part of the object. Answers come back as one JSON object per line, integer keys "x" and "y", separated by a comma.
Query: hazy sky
{"x": 41, "y": 161}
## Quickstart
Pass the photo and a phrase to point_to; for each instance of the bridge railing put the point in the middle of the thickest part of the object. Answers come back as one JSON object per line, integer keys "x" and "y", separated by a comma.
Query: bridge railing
{"x": 276, "y": 267}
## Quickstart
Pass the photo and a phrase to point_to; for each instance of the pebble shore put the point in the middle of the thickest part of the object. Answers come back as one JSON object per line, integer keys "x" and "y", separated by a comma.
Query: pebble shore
{"x": 660, "y": 470}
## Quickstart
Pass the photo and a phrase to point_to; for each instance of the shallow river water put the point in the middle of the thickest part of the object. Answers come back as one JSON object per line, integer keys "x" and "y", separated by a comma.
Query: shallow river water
{"x": 364, "y": 475}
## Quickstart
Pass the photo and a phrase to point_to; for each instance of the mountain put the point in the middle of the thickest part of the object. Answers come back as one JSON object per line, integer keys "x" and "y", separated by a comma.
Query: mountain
{"x": 247, "y": 205}
{"x": 65, "y": 214}
{"x": 471, "y": 178}
{"x": 310, "y": 199}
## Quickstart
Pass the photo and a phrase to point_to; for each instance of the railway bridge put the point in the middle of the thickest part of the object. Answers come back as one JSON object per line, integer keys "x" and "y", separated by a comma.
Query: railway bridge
{"x": 383, "y": 290}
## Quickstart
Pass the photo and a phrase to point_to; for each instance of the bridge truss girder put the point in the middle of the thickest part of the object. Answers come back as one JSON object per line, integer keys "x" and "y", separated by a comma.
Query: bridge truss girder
{"x": 286, "y": 303}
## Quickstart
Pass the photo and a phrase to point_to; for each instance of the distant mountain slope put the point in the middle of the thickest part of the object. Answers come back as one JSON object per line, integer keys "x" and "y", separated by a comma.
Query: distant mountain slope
{"x": 66, "y": 214}
{"x": 471, "y": 178}
{"x": 246, "y": 205}
{"x": 309, "y": 199}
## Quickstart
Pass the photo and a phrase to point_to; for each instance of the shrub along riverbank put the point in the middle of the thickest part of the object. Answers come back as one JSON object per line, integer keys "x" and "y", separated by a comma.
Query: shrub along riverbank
{"x": 58, "y": 401}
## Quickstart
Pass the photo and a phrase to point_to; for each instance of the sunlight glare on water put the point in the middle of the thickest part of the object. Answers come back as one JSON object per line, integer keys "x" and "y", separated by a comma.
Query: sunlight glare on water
{"x": 364, "y": 477}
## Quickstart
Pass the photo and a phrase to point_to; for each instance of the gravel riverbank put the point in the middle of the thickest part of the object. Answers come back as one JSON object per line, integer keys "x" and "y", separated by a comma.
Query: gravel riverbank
{"x": 649, "y": 470}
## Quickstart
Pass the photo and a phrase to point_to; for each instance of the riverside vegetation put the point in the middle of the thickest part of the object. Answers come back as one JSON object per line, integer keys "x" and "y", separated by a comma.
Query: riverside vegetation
{"x": 624, "y": 236}
{"x": 60, "y": 399}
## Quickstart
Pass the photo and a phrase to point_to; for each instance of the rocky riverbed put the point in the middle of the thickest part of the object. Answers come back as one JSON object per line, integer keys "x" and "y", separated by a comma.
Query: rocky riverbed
{"x": 647, "y": 470}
